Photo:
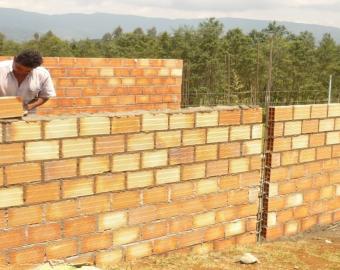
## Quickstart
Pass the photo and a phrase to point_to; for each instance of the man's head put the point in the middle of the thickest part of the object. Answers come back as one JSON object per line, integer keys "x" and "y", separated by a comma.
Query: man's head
{"x": 26, "y": 61}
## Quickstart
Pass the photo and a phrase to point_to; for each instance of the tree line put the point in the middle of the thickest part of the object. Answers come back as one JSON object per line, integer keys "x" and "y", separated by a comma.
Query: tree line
{"x": 220, "y": 67}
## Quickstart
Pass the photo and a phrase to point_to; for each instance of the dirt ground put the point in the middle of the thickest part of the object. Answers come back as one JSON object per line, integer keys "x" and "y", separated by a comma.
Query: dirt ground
{"x": 317, "y": 249}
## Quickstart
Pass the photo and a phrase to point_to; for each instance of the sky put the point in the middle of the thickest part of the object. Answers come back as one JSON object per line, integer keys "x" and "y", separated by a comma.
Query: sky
{"x": 324, "y": 12}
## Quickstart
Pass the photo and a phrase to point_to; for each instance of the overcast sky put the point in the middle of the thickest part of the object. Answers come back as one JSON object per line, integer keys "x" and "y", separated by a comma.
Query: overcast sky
{"x": 325, "y": 12}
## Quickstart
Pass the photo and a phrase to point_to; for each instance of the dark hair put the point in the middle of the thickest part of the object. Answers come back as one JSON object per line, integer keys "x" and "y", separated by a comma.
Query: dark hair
{"x": 29, "y": 58}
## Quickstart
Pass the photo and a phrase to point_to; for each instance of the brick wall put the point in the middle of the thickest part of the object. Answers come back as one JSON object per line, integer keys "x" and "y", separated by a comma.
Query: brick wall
{"x": 303, "y": 168}
{"x": 108, "y": 188}
{"x": 112, "y": 84}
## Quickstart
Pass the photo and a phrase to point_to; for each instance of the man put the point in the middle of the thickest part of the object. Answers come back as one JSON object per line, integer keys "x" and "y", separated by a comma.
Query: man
{"x": 24, "y": 77}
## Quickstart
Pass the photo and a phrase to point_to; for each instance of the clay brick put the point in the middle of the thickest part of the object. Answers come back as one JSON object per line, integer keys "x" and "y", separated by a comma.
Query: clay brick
{"x": 239, "y": 165}
{"x": 235, "y": 228}
{"x": 240, "y": 133}
{"x": 43, "y": 233}
{"x": 23, "y": 131}
{"x": 333, "y": 137}
{"x": 206, "y": 119}
{"x": 139, "y": 179}
{"x": 219, "y": 167}
{"x": 126, "y": 235}
{"x": 207, "y": 186}
{"x": 152, "y": 122}
{"x": 60, "y": 128}
{"x": 204, "y": 219}
{"x": 168, "y": 175}
{"x": 23, "y": 173}
{"x": 292, "y": 128}
{"x": 289, "y": 157}
{"x": 94, "y": 125}
{"x": 10, "y": 107}
{"x": 294, "y": 199}
{"x": 168, "y": 139}
{"x": 41, "y": 150}
{"x": 310, "y": 126}
{"x": 61, "y": 249}
{"x": 77, "y": 147}
{"x": 252, "y": 147}
{"x": 126, "y": 199}
{"x": 112, "y": 220}
{"x": 79, "y": 226}
{"x": 194, "y": 136}
{"x": 252, "y": 115}
{"x": 106, "y": 258}
{"x": 94, "y": 165}
{"x": 317, "y": 140}
{"x": 179, "y": 121}
{"x": 319, "y": 110}
{"x": 154, "y": 158}
{"x": 77, "y": 187}
{"x": 164, "y": 245}
{"x": 237, "y": 197}
{"x": 155, "y": 195}
{"x": 42, "y": 192}
{"x": 190, "y": 238}
{"x": 323, "y": 152}
{"x": 27, "y": 256}
{"x": 193, "y": 171}
{"x": 24, "y": 215}
{"x": 229, "y": 182}
{"x": 60, "y": 169}
{"x": 138, "y": 251}
{"x": 206, "y": 152}
{"x": 181, "y": 155}
{"x": 230, "y": 117}
{"x": 61, "y": 210}
{"x": 94, "y": 204}
{"x": 11, "y": 153}
{"x": 326, "y": 125}
{"x": 333, "y": 110}
{"x": 126, "y": 124}
{"x": 282, "y": 144}
{"x": 95, "y": 242}
{"x": 229, "y": 150}
{"x": 141, "y": 141}
{"x": 302, "y": 112}
{"x": 283, "y": 113}
{"x": 125, "y": 162}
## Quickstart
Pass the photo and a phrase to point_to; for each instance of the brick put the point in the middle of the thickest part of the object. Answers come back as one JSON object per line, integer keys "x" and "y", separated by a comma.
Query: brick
{"x": 168, "y": 175}
{"x": 317, "y": 139}
{"x": 333, "y": 110}
{"x": 239, "y": 133}
{"x": 206, "y": 119}
{"x": 125, "y": 162}
{"x": 42, "y": 150}
{"x": 310, "y": 126}
{"x": 10, "y": 107}
{"x": 94, "y": 204}
{"x": 168, "y": 139}
{"x": 24, "y": 215}
{"x": 181, "y": 155}
{"x": 319, "y": 110}
{"x": 230, "y": 117}
{"x": 229, "y": 150}
{"x": 110, "y": 182}
{"x": 283, "y": 113}
{"x": 11, "y": 153}
{"x": 12, "y": 196}
{"x": 126, "y": 124}
{"x": 126, "y": 235}
{"x": 180, "y": 121}
{"x": 206, "y": 152}
{"x": 154, "y": 158}
{"x": 94, "y": 125}
{"x": 139, "y": 179}
{"x": 106, "y": 258}
{"x": 23, "y": 173}
{"x": 291, "y": 228}
{"x": 61, "y": 249}
{"x": 138, "y": 251}
{"x": 307, "y": 155}
{"x": 293, "y": 128}
{"x": 294, "y": 199}
{"x": 155, "y": 195}
{"x": 95, "y": 242}
{"x": 60, "y": 128}
{"x": 61, "y": 210}
{"x": 333, "y": 137}
{"x": 239, "y": 165}
{"x": 152, "y": 122}
{"x": 326, "y": 125}
{"x": 77, "y": 147}
{"x": 302, "y": 112}
{"x": 126, "y": 199}
{"x": 141, "y": 141}
{"x": 207, "y": 186}
{"x": 289, "y": 157}
{"x": 204, "y": 219}
{"x": 79, "y": 226}
{"x": 94, "y": 165}
{"x": 27, "y": 256}
{"x": 77, "y": 187}
{"x": 43, "y": 233}
{"x": 194, "y": 137}
{"x": 235, "y": 228}
{"x": 252, "y": 147}
{"x": 112, "y": 220}
{"x": 219, "y": 167}
{"x": 193, "y": 171}
{"x": 21, "y": 131}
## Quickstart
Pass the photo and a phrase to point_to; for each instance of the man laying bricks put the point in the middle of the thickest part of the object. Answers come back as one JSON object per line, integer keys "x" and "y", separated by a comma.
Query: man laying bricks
{"x": 24, "y": 77}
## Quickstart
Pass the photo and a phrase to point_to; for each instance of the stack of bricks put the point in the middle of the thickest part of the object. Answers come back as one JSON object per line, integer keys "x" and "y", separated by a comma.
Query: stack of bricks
{"x": 304, "y": 174}
{"x": 112, "y": 84}
{"x": 102, "y": 189}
